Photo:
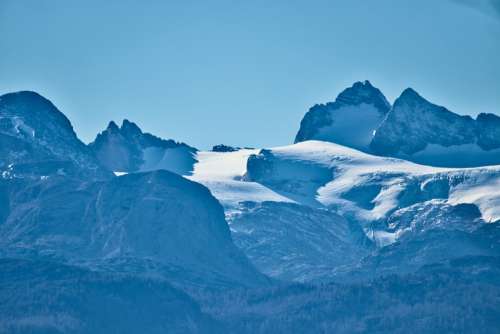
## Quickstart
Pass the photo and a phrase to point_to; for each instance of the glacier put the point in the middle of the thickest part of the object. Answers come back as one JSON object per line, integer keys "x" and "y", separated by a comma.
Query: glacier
{"x": 316, "y": 184}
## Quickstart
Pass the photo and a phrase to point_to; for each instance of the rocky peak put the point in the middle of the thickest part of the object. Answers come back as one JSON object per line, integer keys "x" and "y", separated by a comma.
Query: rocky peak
{"x": 35, "y": 111}
{"x": 128, "y": 149}
{"x": 350, "y": 120}
{"x": 413, "y": 128}
{"x": 363, "y": 92}
{"x": 130, "y": 129}
{"x": 37, "y": 139}
{"x": 413, "y": 123}
{"x": 418, "y": 130}
{"x": 410, "y": 94}
{"x": 112, "y": 127}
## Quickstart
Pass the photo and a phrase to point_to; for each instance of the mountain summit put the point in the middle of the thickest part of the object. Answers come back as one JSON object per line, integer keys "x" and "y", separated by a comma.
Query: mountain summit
{"x": 413, "y": 123}
{"x": 350, "y": 120}
{"x": 36, "y": 139}
{"x": 128, "y": 149}
{"x": 413, "y": 128}
{"x": 418, "y": 130}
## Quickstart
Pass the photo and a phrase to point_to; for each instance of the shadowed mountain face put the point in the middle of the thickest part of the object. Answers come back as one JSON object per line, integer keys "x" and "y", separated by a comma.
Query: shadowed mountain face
{"x": 426, "y": 133}
{"x": 158, "y": 216}
{"x": 316, "y": 242}
{"x": 350, "y": 120}
{"x": 413, "y": 129}
{"x": 57, "y": 201}
{"x": 413, "y": 123}
{"x": 37, "y": 139}
{"x": 128, "y": 149}
{"x": 83, "y": 251}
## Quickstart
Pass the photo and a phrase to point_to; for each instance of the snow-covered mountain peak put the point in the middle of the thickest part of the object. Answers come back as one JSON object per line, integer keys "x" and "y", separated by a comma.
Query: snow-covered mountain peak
{"x": 412, "y": 129}
{"x": 350, "y": 120}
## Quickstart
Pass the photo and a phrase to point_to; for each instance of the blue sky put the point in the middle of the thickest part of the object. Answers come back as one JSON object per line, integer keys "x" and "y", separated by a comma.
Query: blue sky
{"x": 243, "y": 72}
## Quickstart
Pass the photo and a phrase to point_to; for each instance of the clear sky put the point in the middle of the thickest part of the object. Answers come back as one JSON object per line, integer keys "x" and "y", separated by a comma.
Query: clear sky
{"x": 243, "y": 72}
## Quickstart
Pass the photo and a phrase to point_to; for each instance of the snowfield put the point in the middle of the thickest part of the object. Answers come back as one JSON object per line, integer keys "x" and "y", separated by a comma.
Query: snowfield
{"x": 223, "y": 172}
{"x": 351, "y": 183}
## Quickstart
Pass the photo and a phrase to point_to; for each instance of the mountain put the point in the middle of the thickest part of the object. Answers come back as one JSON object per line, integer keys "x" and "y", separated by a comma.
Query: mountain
{"x": 58, "y": 202}
{"x": 350, "y": 120}
{"x": 423, "y": 132}
{"x": 157, "y": 216}
{"x": 412, "y": 129}
{"x": 286, "y": 205}
{"x": 128, "y": 149}
{"x": 36, "y": 139}
{"x": 186, "y": 240}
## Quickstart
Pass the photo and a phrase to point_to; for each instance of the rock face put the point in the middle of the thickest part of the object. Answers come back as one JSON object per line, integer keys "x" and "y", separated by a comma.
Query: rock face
{"x": 413, "y": 128}
{"x": 224, "y": 148}
{"x": 413, "y": 123}
{"x": 158, "y": 216}
{"x": 36, "y": 139}
{"x": 488, "y": 131}
{"x": 128, "y": 149}
{"x": 350, "y": 120}
{"x": 418, "y": 130}
{"x": 294, "y": 242}
{"x": 84, "y": 251}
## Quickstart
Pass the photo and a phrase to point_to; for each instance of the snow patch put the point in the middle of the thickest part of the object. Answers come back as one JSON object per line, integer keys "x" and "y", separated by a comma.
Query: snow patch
{"x": 352, "y": 126}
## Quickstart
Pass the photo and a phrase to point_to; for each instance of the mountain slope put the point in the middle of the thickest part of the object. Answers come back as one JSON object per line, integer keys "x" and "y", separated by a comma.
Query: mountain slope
{"x": 285, "y": 204}
{"x": 364, "y": 186}
{"x": 295, "y": 242}
{"x": 158, "y": 217}
{"x": 223, "y": 173}
{"x": 418, "y": 130}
